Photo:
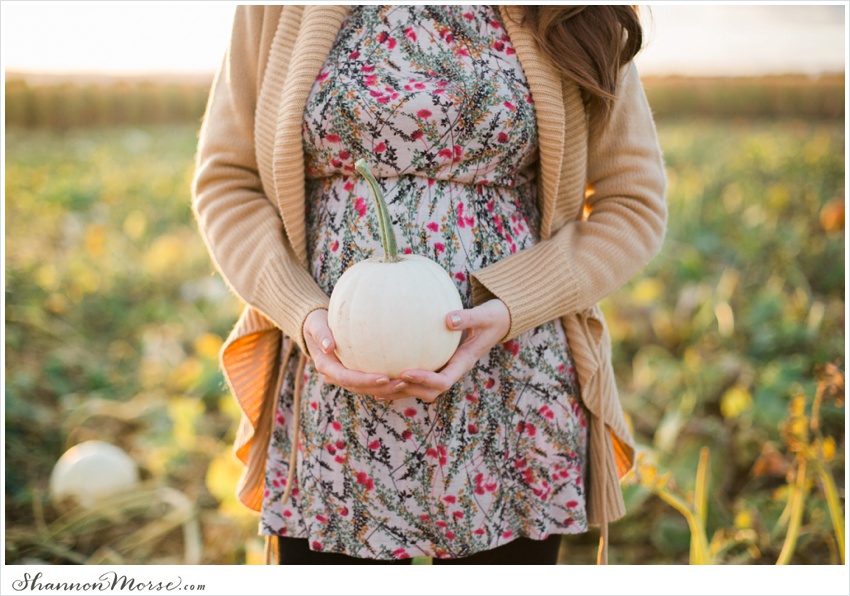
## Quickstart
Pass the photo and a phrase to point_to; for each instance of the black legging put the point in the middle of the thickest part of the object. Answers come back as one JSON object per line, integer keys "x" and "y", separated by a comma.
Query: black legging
{"x": 521, "y": 551}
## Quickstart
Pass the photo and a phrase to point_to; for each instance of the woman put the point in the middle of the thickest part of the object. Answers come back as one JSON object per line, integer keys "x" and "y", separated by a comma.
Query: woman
{"x": 515, "y": 147}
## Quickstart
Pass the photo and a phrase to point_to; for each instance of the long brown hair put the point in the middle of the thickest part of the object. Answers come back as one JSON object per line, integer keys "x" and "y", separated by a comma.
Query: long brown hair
{"x": 588, "y": 45}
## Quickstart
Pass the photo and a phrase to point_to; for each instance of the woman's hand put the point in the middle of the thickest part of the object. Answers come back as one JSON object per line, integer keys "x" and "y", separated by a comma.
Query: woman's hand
{"x": 320, "y": 344}
{"x": 485, "y": 325}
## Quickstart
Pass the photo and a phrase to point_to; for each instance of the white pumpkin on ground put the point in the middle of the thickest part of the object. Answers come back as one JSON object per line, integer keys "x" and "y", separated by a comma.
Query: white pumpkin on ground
{"x": 388, "y": 314}
{"x": 90, "y": 472}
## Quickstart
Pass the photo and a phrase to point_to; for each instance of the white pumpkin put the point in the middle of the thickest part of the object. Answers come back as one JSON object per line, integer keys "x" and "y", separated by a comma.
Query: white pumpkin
{"x": 390, "y": 317}
{"x": 92, "y": 471}
{"x": 388, "y": 314}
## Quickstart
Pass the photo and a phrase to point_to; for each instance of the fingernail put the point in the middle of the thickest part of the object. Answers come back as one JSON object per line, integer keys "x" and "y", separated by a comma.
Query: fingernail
{"x": 455, "y": 320}
{"x": 408, "y": 378}
{"x": 326, "y": 343}
{"x": 401, "y": 386}
{"x": 382, "y": 381}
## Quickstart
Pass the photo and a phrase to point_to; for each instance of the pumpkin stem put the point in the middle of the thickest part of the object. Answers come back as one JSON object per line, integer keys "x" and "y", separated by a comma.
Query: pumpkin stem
{"x": 387, "y": 232}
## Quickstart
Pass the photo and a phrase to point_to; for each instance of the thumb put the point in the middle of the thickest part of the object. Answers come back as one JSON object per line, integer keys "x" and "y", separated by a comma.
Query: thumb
{"x": 317, "y": 326}
{"x": 327, "y": 344}
{"x": 492, "y": 313}
{"x": 463, "y": 319}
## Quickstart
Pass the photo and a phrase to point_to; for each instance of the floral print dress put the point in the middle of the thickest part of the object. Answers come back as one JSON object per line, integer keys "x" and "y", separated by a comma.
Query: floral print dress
{"x": 434, "y": 98}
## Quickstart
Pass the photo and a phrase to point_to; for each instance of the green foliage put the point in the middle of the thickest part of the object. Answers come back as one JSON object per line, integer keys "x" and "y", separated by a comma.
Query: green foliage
{"x": 736, "y": 316}
{"x": 113, "y": 315}
{"x": 803, "y": 439}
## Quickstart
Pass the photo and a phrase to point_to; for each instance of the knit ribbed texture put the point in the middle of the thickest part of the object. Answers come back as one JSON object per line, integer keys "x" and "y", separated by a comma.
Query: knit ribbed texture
{"x": 285, "y": 20}
{"x": 510, "y": 280}
{"x": 251, "y": 365}
{"x": 243, "y": 229}
{"x": 249, "y": 202}
{"x": 320, "y": 25}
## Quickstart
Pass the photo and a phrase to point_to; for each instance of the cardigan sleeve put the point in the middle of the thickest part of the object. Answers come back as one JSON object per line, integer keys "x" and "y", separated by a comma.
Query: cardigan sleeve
{"x": 588, "y": 259}
{"x": 241, "y": 226}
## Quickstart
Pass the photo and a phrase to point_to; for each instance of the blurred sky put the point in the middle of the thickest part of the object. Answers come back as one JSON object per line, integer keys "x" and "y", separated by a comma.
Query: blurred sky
{"x": 173, "y": 37}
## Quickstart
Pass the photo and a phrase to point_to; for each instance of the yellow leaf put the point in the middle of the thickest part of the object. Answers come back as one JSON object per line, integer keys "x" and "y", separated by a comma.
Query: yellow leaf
{"x": 222, "y": 476}
{"x": 156, "y": 459}
{"x": 781, "y": 493}
{"x": 692, "y": 357}
{"x": 735, "y": 402}
{"x": 56, "y": 303}
{"x": 87, "y": 280}
{"x": 208, "y": 345}
{"x": 797, "y": 428}
{"x": 47, "y": 277}
{"x": 135, "y": 225}
{"x": 95, "y": 240}
{"x": 727, "y": 284}
{"x": 254, "y": 553}
{"x": 828, "y": 449}
{"x": 184, "y": 414}
{"x": 743, "y": 520}
{"x": 164, "y": 255}
{"x": 647, "y": 290}
{"x": 648, "y": 474}
{"x": 229, "y": 406}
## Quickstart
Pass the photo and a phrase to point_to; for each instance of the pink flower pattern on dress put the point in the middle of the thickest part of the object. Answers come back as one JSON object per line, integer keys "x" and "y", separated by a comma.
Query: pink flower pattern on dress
{"x": 434, "y": 99}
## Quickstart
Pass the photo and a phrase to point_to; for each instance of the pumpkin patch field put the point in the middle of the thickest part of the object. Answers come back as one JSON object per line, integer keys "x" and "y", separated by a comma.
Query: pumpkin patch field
{"x": 729, "y": 350}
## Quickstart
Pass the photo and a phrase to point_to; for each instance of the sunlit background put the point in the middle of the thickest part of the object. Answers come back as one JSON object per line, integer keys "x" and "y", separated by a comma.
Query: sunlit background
{"x": 169, "y": 37}
{"x": 729, "y": 347}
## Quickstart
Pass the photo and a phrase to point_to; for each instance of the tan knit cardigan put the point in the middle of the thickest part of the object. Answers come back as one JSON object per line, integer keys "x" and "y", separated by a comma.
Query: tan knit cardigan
{"x": 603, "y": 218}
